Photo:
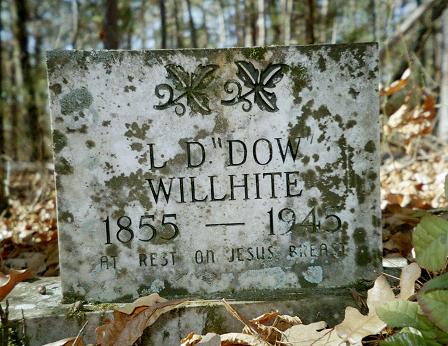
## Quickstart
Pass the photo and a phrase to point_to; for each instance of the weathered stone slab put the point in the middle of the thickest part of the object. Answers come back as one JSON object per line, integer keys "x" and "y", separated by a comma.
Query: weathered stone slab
{"x": 238, "y": 173}
{"x": 33, "y": 313}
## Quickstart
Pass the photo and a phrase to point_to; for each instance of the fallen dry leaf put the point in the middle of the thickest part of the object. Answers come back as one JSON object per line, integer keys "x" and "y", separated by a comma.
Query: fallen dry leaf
{"x": 236, "y": 339}
{"x": 311, "y": 334}
{"x": 191, "y": 339}
{"x": 150, "y": 300}
{"x": 379, "y": 294}
{"x": 355, "y": 325}
{"x": 397, "y": 85}
{"x": 7, "y": 282}
{"x": 272, "y": 324}
{"x": 126, "y": 328}
{"x": 67, "y": 342}
{"x": 409, "y": 275}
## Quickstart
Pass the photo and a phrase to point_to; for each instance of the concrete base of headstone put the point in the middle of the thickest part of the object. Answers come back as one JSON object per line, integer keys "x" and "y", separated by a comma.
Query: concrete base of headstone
{"x": 47, "y": 320}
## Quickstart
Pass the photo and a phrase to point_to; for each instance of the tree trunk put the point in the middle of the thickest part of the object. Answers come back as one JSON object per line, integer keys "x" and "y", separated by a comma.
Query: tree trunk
{"x": 179, "y": 26}
{"x": 309, "y": 22}
{"x": 275, "y": 13}
{"x": 111, "y": 39}
{"x": 239, "y": 25}
{"x": 443, "y": 110}
{"x": 143, "y": 24}
{"x": 162, "y": 24}
{"x": 75, "y": 19}
{"x": 372, "y": 9}
{"x": 204, "y": 28}
{"x": 287, "y": 21}
{"x": 222, "y": 24}
{"x": 261, "y": 32}
{"x": 194, "y": 41}
{"x": 20, "y": 20}
{"x": 14, "y": 110}
{"x": 3, "y": 200}
{"x": 247, "y": 22}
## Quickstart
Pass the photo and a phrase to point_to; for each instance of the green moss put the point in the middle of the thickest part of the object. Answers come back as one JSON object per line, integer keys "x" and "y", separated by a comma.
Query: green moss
{"x": 370, "y": 147}
{"x": 254, "y": 53}
{"x": 361, "y": 189}
{"x": 306, "y": 284}
{"x": 90, "y": 144}
{"x": 359, "y": 236}
{"x": 72, "y": 297}
{"x": 63, "y": 167}
{"x": 221, "y": 125}
{"x": 362, "y": 255}
{"x": 169, "y": 291}
{"x": 335, "y": 52}
{"x": 76, "y": 100}
{"x": 214, "y": 322}
{"x": 353, "y": 92}
{"x": 350, "y": 124}
{"x": 321, "y": 113}
{"x": 56, "y": 88}
{"x": 112, "y": 250}
{"x": 137, "y": 146}
{"x": 57, "y": 58}
{"x": 136, "y": 131}
{"x": 376, "y": 221}
{"x": 301, "y": 79}
{"x": 128, "y": 88}
{"x": 125, "y": 189}
{"x": 79, "y": 315}
{"x": 124, "y": 299}
{"x": 101, "y": 307}
{"x": 59, "y": 141}
{"x": 305, "y": 160}
{"x": 66, "y": 216}
{"x": 321, "y": 63}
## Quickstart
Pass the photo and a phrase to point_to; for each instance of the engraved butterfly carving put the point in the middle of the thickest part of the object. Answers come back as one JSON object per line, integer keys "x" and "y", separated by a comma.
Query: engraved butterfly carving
{"x": 192, "y": 86}
{"x": 258, "y": 82}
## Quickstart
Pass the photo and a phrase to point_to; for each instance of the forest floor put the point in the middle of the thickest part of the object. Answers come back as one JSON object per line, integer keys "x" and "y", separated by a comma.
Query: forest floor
{"x": 28, "y": 228}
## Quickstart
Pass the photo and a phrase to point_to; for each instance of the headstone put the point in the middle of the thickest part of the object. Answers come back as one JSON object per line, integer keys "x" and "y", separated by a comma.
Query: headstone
{"x": 242, "y": 173}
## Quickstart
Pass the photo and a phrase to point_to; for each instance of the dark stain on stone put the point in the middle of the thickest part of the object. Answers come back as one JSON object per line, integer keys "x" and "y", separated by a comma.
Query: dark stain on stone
{"x": 112, "y": 250}
{"x": 137, "y": 146}
{"x": 123, "y": 189}
{"x": 59, "y": 141}
{"x": 128, "y": 88}
{"x": 56, "y": 88}
{"x": 353, "y": 92}
{"x": 63, "y": 167}
{"x": 66, "y": 216}
{"x": 90, "y": 144}
{"x": 254, "y": 53}
{"x": 370, "y": 147}
{"x": 300, "y": 79}
{"x": 83, "y": 129}
{"x": 135, "y": 131}
{"x": 350, "y": 124}
{"x": 321, "y": 63}
{"x": 221, "y": 125}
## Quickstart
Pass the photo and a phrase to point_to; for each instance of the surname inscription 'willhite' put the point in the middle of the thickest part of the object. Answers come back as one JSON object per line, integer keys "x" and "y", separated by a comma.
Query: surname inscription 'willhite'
{"x": 215, "y": 173}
